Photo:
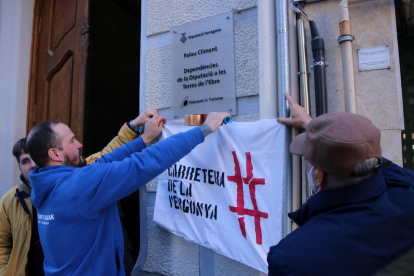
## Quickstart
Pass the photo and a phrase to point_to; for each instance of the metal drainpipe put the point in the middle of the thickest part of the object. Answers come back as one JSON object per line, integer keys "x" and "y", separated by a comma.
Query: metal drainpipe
{"x": 283, "y": 86}
{"x": 267, "y": 59}
{"x": 345, "y": 39}
{"x": 303, "y": 67}
{"x": 294, "y": 88}
{"x": 304, "y": 93}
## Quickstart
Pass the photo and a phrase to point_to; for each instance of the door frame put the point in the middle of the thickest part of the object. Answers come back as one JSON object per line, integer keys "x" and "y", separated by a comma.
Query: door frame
{"x": 33, "y": 66}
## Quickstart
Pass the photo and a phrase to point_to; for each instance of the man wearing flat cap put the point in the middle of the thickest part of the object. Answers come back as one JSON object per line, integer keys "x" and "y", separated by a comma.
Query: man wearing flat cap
{"x": 361, "y": 219}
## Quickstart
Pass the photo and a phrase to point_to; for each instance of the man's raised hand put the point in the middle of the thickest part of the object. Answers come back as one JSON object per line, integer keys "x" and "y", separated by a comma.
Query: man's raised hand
{"x": 298, "y": 115}
{"x": 144, "y": 117}
{"x": 153, "y": 128}
{"x": 215, "y": 119}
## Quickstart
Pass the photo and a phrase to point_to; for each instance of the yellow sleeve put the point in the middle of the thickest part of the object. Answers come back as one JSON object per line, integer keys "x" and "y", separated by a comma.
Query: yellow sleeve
{"x": 125, "y": 134}
{"x": 6, "y": 240}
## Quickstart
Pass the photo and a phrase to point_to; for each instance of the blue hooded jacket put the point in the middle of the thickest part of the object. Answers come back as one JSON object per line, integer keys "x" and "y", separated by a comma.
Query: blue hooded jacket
{"x": 78, "y": 219}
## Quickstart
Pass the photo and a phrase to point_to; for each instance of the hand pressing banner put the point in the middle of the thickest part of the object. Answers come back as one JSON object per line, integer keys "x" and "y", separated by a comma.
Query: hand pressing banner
{"x": 227, "y": 194}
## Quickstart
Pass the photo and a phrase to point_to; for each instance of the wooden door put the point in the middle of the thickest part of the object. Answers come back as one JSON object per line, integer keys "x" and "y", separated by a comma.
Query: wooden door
{"x": 58, "y": 68}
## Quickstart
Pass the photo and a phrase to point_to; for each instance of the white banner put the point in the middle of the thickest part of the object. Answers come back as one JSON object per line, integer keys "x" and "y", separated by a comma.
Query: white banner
{"x": 227, "y": 194}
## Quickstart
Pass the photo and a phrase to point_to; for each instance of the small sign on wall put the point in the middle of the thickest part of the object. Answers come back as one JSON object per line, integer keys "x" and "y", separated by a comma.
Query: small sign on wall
{"x": 374, "y": 58}
{"x": 202, "y": 67}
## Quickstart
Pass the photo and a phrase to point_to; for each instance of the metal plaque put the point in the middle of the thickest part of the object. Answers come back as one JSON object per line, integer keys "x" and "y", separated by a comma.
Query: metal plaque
{"x": 202, "y": 67}
{"x": 374, "y": 58}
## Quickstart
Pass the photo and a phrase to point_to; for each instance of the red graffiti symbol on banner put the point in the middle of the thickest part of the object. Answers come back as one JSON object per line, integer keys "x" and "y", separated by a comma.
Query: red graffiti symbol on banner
{"x": 252, "y": 182}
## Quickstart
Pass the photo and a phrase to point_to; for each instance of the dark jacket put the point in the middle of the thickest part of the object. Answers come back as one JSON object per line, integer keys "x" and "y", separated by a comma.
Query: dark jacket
{"x": 363, "y": 229}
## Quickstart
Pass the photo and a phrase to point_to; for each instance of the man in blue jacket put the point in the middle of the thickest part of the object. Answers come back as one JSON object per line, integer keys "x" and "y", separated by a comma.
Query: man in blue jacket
{"x": 361, "y": 219}
{"x": 77, "y": 215}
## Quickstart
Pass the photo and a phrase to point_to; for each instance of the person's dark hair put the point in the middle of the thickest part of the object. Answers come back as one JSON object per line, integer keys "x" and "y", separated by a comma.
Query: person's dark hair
{"x": 19, "y": 148}
{"x": 40, "y": 139}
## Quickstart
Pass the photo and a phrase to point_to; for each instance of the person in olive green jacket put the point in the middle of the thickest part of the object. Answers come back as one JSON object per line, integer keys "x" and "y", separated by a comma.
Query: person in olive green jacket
{"x": 20, "y": 248}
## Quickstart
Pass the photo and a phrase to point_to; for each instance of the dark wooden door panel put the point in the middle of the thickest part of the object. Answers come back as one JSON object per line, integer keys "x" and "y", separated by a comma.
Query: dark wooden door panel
{"x": 60, "y": 92}
{"x": 63, "y": 20}
{"x": 59, "y": 85}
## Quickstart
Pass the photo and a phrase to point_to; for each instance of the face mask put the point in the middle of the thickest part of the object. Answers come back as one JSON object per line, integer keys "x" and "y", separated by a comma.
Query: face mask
{"x": 311, "y": 181}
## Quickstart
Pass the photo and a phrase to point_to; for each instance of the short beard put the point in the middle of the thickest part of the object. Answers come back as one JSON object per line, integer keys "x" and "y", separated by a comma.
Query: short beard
{"x": 76, "y": 161}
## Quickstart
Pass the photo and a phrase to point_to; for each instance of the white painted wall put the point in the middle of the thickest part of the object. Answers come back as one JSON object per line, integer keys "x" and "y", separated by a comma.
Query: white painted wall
{"x": 15, "y": 44}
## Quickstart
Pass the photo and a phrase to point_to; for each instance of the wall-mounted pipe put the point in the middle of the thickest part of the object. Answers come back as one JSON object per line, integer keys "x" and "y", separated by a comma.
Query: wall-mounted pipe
{"x": 282, "y": 56}
{"x": 283, "y": 86}
{"x": 267, "y": 59}
{"x": 294, "y": 89}
{"x": 345, "y": 39}
{"x": 303, "y": 67}
{"x": 319, "y": 69}
{"x": 304, "y": 94}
